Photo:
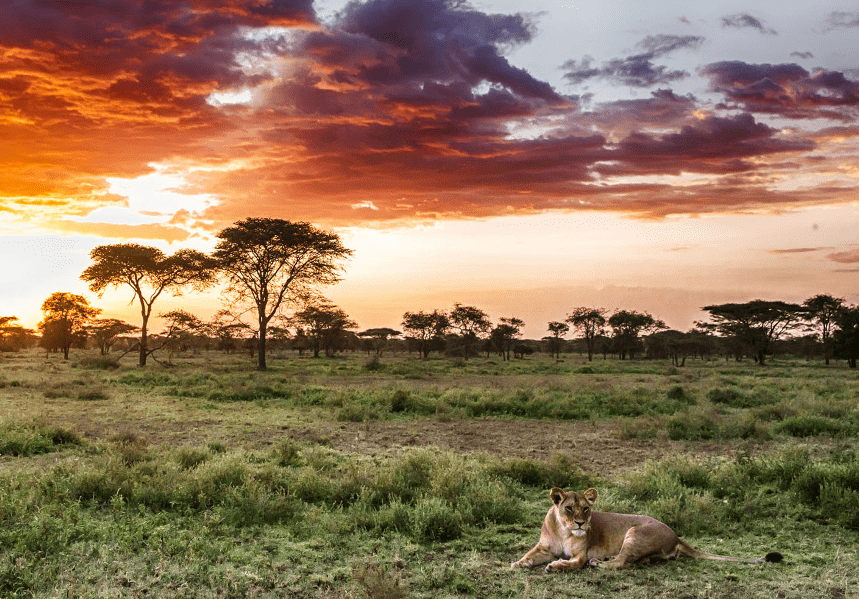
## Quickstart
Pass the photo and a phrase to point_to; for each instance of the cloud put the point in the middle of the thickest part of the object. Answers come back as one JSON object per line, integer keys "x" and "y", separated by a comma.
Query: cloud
{"x": 785, "y": 89}
{"x": 395, "y": 111}
{"x": 637, "y": 70}
{"x": 803, "y": 55}
{"x": 844, "y": 257}
{"x": 842, "y": 20}
{"x": 747, "y": 21}
{"x": 799, "y": 250}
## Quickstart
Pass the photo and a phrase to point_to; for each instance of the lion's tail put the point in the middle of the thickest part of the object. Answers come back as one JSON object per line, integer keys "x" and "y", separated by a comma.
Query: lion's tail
{"x": 686, "y": 549}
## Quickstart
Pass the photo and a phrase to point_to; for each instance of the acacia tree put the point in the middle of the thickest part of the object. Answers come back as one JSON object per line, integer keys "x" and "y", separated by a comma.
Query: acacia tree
{"x": 149, "y": 272}
{"x": 426, "y": 328}
{"x": 823, "y": 309}
{"x": 589, "y": 323}
{"x": 269, "y": 263}
{"x": 471, "y": 322}
{"x": 325, "y": 325}
{"x": 754, "y": 325}
{"x": 66, "y": 318}
{"x": 503, "y": 335}
{"x": 13, "y": 336}
{"x": 106, "y": 332}
{"x": 557, "y": 330}
{"x": 379, "y": 337}
{"x": 626, "y": 327}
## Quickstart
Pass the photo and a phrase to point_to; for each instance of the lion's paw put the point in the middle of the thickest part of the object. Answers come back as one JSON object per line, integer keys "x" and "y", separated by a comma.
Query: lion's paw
{"x": 522, "y": 563}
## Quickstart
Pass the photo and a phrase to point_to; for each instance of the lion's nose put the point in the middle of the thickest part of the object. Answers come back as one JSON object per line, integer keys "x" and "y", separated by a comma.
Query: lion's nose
{"x": 581, "y": 524}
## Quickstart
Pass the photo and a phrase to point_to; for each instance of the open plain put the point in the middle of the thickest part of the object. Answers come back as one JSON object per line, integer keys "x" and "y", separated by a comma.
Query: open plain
{"x": 351, "y": 477}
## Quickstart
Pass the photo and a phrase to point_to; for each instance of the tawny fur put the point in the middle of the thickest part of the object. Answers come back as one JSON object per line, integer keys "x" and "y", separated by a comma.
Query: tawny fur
{"x": 574, "y": 535}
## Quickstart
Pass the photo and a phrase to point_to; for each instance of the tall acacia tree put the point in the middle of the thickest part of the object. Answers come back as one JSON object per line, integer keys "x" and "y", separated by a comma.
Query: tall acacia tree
{"x": 149, "y": 272}
{"x": 270, "y": 262}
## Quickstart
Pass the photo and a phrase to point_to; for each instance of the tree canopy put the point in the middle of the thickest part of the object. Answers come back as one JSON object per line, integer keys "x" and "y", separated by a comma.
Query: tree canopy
{"x": 270, "y": 263}
{"x": 755, "y": 324}
{"x": 148, "y": 272}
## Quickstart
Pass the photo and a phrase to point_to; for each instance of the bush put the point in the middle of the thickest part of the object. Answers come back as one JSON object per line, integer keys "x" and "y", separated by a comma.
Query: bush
{"x": 434, "y": 520}
{"x": 808, "y": 426}
{"x": 286, "y": 453}
{"x": 191, "y": 457}
{"x": 23, "y": 440}
{"x": 98, "y": 363}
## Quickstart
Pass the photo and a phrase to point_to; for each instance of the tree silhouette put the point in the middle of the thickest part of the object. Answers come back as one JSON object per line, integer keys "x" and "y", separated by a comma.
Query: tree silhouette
{"x": 504, "y": 334}
{"x": 589, "y": 323}
{"x": 65, "y": 321}
{"x": 824, "y": 309}
{"x": 325, "y": 325}
{"x": 13, "y": 336}
{"x": 845, "y": 338}
{"x": 754, "y": 325}
{"x": 626, "y": 327}
{"x": 471, "y": 322}
{"x": 270, "y": 263}
{"x": 106, "y": 332}
{"x": 149, "y": 273}
{"x": 379, "y": 337}
{"x": 428, "y": 329}
{"x": 557, "y": 330}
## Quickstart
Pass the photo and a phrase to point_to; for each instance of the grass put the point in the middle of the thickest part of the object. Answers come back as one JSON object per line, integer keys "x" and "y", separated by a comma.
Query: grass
{"x": 210, "y": 480}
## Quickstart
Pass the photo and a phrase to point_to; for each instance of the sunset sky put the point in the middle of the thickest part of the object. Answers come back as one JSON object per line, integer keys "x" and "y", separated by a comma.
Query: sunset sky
{"x": 524, "y": 157}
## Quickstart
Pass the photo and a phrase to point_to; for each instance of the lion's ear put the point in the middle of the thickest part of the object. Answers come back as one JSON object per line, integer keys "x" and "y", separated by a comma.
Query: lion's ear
{"x": 591, "y": 494}
{"x": 557, "y": 495}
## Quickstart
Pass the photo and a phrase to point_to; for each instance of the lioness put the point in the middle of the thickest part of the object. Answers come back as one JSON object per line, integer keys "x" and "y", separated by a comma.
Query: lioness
{"x": 574, "y": 535}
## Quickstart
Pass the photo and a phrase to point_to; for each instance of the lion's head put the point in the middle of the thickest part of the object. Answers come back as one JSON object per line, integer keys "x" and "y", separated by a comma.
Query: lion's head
{"x": 574, "y": 509}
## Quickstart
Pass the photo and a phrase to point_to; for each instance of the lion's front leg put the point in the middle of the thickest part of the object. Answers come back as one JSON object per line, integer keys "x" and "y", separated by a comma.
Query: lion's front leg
{"x": 540, "y": 554}
{"x": 562, "y": 565}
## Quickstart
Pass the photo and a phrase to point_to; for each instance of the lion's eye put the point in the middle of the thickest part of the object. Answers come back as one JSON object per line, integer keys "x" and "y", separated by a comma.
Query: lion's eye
{"x": 586, "y": 510}
{"x": 569, "y": 509}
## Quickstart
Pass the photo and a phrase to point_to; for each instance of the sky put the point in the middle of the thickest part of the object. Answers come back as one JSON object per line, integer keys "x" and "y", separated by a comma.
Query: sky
{"x": 526, "y": 158}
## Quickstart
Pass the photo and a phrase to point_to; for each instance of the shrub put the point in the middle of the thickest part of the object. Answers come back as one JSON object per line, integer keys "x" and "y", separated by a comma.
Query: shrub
{"x": 693, "y": 426}
{"x": 400, "y": 401}
{"x": 286, "y": 453}
{"x": 434, "y": 520}
{"x": 98, "y": 363}
{"x": 191, "y": 457}
{"x": 34, "y": 438}
{"x": 808, "y": 426}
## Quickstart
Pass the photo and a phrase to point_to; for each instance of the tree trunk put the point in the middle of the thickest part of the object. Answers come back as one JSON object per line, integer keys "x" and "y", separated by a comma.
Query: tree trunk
{"x": 143, "y": 343}
{"x": 261, "y": 365}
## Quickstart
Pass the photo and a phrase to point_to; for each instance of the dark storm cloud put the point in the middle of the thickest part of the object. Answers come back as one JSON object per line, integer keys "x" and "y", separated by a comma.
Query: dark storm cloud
{"x": 785, "y": 89}
{"x": 637, "y": 70}
{"x": 438, "y": 39}
{"x": 713, "y": 145}
{"x": 747, "y": 21}
{"x": 413, "y": 104}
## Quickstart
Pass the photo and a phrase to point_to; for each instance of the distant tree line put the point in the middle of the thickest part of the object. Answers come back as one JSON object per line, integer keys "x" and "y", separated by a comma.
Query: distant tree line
{"x": 272, "y": 270}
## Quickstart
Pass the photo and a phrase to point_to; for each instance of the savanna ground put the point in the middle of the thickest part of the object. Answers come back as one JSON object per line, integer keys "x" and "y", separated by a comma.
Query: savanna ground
{"x": 349, "y": 477}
